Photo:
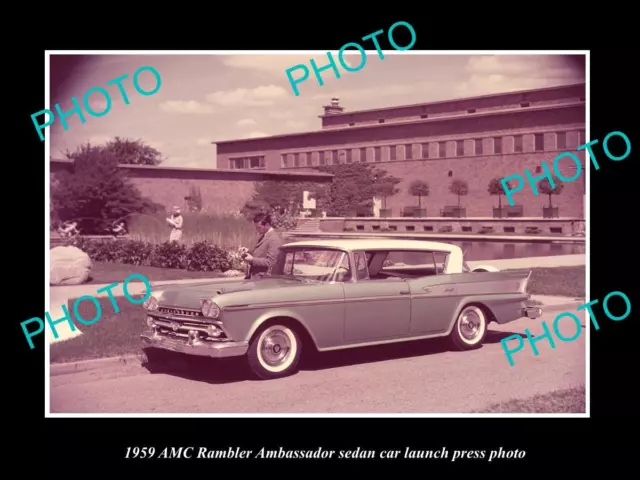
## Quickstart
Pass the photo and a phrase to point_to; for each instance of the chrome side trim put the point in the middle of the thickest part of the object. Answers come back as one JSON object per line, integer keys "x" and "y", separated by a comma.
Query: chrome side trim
{"x": 382, "y": 342}
{"x": 303, "y": 303}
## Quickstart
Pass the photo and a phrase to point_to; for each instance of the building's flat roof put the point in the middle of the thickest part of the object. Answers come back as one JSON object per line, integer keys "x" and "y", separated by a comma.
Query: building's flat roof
{"x": 455, "y": 100}
{"x": 449, "y": 118}
{"x": 213, "y": 170}
{"x": 377, "y": 244}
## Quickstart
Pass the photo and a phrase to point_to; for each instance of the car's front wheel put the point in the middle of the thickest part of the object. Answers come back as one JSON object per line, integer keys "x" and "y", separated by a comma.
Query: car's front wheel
{"x": 275, "y": 352}
{"x": 470, "y": 328}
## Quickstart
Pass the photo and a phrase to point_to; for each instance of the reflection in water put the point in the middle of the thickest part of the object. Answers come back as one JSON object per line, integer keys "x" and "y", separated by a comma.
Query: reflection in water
{"x": 499, "y": 250}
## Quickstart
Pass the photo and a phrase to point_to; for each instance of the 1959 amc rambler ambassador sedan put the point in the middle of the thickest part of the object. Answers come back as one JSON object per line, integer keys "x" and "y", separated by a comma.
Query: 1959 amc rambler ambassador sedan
{"x": 335, "y": 294}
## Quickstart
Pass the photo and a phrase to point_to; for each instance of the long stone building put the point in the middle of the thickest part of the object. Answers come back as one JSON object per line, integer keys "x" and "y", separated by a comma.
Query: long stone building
{"x": 471, "y": 139}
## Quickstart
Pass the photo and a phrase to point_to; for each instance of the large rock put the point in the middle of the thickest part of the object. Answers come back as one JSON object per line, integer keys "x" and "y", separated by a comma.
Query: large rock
{"x": 69, "y": 266}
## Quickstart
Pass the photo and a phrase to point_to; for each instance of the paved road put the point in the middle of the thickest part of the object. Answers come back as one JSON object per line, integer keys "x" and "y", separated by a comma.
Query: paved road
{"x": 412, "y": 378}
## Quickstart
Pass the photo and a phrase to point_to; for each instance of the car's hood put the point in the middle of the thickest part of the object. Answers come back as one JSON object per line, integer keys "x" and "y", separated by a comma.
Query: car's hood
{"x": 190, "y": 296}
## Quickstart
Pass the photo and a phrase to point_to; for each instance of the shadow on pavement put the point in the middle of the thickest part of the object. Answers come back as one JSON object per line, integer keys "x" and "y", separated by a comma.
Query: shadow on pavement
{"x": 230, "y": 370}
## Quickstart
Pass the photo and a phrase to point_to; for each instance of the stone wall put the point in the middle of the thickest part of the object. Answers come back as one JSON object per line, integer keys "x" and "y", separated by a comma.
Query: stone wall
{"x": 222, "y": 191}
{"x": 560, "y": 226}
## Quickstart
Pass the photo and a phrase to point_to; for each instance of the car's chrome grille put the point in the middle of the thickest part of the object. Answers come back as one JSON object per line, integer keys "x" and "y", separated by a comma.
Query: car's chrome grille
{"x": 184, "y": 312}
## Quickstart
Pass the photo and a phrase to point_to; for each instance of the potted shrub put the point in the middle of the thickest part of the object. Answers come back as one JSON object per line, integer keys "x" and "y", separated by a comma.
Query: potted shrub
{"x": 544, "y": 187}
{"x": 460, "y": 188}
{"x": 496, "y": 188}
{"x": 419, "y": 188}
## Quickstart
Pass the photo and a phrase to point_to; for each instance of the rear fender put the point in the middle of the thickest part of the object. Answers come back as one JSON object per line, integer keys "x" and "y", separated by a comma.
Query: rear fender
{"x": 501, "y": 309}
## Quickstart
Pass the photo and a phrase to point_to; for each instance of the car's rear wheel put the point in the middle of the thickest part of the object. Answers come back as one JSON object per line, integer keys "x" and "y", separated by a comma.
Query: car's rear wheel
{"x": 275, "y": 352}
{"x": 470, "y": 328}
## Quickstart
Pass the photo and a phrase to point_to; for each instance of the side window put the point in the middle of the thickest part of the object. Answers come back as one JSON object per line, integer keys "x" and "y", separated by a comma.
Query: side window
{"x": 362, "y": 272}
{"x": 440, "y": 260}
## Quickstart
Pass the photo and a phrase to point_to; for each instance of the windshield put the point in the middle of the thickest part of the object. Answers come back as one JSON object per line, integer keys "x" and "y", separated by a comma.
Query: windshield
{"x": 316, "y": 264}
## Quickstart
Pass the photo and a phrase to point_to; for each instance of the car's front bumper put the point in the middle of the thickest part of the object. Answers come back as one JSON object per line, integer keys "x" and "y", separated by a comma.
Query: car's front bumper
{"x": 531, "y": 312}
{"x": 151, "y": 339}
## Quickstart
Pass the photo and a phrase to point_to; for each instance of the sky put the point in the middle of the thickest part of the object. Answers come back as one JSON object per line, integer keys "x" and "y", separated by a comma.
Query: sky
{"x": 204, "y": 98}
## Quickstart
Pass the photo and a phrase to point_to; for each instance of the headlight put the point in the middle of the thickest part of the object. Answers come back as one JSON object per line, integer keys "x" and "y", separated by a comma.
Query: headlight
{"x": 210, "y": 309}
{"x": 151, "y": 303}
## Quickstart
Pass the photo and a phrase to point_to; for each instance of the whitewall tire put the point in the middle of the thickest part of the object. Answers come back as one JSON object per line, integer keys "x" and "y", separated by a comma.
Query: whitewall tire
{"x": 275, "y": 352}
{"x": 470, "y": 328}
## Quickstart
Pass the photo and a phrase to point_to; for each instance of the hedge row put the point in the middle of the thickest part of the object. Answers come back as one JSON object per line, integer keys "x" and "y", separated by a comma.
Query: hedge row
{"x": 200, "y": 257}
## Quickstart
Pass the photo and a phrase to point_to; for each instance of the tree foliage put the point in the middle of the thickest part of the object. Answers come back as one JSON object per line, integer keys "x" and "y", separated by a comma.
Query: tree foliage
{"x": 419, "y": 188}
{"x": 95, "y": 192}
{"x": 495, "y": 188}
{"x": 459, "y": 187}
{"x": 544, "y": 187}
{"x": 282, "y": 196}
{"x": 354, "y": 186}
{"x": 129, "y": 151}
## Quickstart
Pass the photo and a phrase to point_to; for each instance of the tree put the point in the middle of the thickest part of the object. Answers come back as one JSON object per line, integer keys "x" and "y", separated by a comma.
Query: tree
{"x": 419, "y": 188}
{"x": 496, "y": 188}
{"x": 354, "y": 186}
{"x": 459, "y": 188}
{"x": 96, "y": 192}
{"x": 544, "y": 187}
{"x": 128, "y": 151}
{"x": 280, "y": 196}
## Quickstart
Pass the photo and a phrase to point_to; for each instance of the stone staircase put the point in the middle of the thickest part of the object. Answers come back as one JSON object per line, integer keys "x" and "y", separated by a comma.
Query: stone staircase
{"x": 308, "y": 225}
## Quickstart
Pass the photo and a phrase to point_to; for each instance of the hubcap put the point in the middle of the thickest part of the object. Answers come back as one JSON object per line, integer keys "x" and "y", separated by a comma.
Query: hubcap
{"x": 275, "y": 348}
{"x": 470, "y": 325}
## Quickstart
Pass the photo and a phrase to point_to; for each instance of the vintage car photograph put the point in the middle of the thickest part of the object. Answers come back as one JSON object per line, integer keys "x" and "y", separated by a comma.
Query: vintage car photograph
{"x": 328, "y": 295}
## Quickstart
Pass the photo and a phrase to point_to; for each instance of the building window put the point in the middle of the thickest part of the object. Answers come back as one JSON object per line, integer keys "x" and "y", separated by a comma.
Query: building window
{"x": 539, "y": 142}
{"x": 497, "y": 145}
{"x": 304, "y": 159}
{"x": 525, "y": 104}
{"x": 393, "y": 152}
{"x": 296, "y": 159}
{"x": 471, "y": 110}
{"x": 478, "y": 146}
{"x": 349, "y": 155}
{"x": 283, "y": 160}
{"x": 460, "y": 148}
{"x": 561, "y": 140}
{"x": 334, "y": 157}
{"x": 321, "y": 159}
{"x": 425, "y": 150}
{"x": 381, "y": 120}
{"x": 378, "y": 154}
{"x": 424, "y": 116}
{"x": 582, "y": 137}
{"x": 517, "y": 144}
{"x": 408, "y": 152}
{"x": 363, "y": 154}
{"x": 351, "y": 124}
{"x": 442, "y": 149}
{"x": 450, "y": 174}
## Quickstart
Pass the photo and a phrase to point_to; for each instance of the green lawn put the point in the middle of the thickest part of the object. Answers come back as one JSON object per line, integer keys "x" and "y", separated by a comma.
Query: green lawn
{"x": 571, "y": 400}
{"x": 116, "y": 272}
{"x": 113, "y": 335}
{"x": 118, "y": 333}
{"x": 560, "y": 281}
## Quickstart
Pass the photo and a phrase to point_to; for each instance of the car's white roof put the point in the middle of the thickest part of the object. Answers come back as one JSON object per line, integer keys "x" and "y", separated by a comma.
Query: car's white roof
{"x": 377, "y": 244}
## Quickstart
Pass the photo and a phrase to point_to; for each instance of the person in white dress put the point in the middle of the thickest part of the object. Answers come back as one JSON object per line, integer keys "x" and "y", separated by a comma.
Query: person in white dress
{"x": 175, "y": 220}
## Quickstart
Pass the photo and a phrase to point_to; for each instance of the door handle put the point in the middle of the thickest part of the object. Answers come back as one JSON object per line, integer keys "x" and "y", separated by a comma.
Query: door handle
{"x": 404, "y": 292}
{"x": 449, "y": 290}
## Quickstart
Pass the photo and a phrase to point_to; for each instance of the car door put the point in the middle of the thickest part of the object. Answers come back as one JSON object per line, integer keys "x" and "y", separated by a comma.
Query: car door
{"x": 434, "y": 300}
{"x": 375, "y": 309}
